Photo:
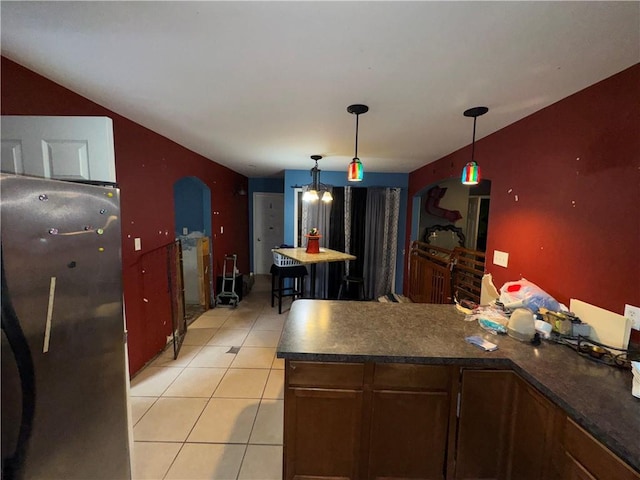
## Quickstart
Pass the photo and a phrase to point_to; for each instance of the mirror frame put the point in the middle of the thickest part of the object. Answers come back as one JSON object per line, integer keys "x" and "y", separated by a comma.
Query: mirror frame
{"x": 444, "y": 228}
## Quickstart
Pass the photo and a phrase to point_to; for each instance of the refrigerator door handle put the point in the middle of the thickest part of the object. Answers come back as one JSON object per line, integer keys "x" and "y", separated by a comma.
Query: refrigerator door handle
{"x": 12, "y": 464}
{"x": 47, "y": 326}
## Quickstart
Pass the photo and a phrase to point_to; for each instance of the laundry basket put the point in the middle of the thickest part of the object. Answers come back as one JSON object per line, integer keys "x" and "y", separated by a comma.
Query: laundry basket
{"x": 282, "y": 261}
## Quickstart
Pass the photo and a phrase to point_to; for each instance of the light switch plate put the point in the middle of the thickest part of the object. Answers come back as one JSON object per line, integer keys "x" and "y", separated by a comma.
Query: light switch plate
{"x": 500, "y": 258}
{"x": 633, "y": 314}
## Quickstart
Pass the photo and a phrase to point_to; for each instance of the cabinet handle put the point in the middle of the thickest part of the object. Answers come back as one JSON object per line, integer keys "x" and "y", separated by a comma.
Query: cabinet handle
{"x": 293, "y": 367}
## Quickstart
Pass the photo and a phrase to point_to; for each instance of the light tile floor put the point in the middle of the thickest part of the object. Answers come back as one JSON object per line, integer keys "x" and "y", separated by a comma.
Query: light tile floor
{"x": 211, "y": 414}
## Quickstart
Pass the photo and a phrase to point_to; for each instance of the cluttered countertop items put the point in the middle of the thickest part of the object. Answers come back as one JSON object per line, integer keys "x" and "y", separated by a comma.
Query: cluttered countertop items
{"x": 527, "y": 313}
{"x": 597, "y": 396}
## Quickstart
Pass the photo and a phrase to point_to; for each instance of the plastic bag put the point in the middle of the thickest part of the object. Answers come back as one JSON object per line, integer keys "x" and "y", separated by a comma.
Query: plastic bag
{"x": 524, "y": 293}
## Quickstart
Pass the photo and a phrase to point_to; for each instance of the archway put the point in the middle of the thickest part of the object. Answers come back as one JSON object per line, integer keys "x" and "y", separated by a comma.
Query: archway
{"x": 192, "y": 207}
{"x": 449, "y": 222}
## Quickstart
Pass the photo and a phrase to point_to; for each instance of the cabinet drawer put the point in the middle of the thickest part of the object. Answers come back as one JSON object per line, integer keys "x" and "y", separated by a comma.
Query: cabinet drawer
{"x": 325, "y": 375}
{"x": 403, "y": 375}
{"x": 595, "y": 457}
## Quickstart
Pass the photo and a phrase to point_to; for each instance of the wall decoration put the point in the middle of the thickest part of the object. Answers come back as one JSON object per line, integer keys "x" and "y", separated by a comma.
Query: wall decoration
{"x": 432, "y": 205}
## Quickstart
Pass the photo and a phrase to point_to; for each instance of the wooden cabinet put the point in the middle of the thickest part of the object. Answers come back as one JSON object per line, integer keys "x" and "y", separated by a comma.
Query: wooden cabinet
{"x": 322, "y": 433}
{"x": 531, "y": 440}
{"x": 575, "y": 471}
{"x": 323, "y": 420}
{"x": 371, "y": 421}
{"x": 486, "y": 397}
{"x": 392, "y": 421}
{"x": 509, "y": 430}
{"x": 588, "y": 458}
{"x": 410, "y": 407}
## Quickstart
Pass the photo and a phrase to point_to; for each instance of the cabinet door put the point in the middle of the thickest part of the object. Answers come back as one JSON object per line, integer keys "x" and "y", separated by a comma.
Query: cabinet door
{"x": 483, "y": 427}
{"x": 63, "y": 148}
{"x": 532, "y": 432}
{"x": 408, "y": 435}
{"x": 322, "y": 431}
{"x": 594, "y": 457}
{"x": 575, "y": 471}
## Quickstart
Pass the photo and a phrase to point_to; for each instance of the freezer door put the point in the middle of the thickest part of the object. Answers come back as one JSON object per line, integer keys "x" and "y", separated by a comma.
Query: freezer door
{"x": 64, "y": 411}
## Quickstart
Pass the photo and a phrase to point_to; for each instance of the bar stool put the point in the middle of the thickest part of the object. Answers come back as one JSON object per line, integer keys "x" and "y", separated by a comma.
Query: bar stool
{"x": 348, "y": 280}
{"x": 296, "y": 273}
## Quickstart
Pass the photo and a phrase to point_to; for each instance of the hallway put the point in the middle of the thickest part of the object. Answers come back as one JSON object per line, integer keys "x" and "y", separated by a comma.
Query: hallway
{"x": 217, "y": 411}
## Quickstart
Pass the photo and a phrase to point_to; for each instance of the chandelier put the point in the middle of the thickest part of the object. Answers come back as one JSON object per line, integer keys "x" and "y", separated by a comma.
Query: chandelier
{"x": 316, "y": 190}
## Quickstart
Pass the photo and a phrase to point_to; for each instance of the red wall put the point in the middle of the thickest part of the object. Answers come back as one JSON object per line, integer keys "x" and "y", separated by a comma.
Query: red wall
{"x": 147, "y": 166}
{"x": 575, "y": 168}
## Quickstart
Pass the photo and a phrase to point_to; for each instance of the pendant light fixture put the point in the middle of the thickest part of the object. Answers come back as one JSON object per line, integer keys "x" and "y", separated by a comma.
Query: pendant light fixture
{"x": 471, "y": 171}
{"x": 315, "y": 188}
{"x": 355, "y": 172}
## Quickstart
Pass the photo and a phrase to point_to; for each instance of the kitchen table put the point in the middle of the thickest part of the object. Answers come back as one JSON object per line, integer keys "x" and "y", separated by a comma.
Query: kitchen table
{"x": 325, "y": 255}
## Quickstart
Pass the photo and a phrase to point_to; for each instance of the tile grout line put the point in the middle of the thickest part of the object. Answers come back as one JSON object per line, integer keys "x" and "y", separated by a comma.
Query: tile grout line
{"x": 193, "y": 426}
{"x": 255, "y": 418}
{"x": 173, "y": 461}
{"x": 263, "y": 310}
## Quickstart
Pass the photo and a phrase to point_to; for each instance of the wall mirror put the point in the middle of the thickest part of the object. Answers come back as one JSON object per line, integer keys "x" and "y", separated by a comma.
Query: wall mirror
{"x": 444, "y": 236}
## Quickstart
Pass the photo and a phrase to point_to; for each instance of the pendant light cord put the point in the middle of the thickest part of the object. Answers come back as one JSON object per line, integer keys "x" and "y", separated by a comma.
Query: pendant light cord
{"x": 357, "y": 118}
{"x": 473, "y": 141}
{"x": 314, "y": 177}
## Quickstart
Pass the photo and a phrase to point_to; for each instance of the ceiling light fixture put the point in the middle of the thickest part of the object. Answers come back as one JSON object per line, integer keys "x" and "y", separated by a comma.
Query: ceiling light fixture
{"x": 315, "y": 188}
{"x": 471, "y": 171}
{"x": 356, "y": 172}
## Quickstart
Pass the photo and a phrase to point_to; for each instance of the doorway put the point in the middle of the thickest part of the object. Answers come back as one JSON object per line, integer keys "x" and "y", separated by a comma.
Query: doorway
{"x": 477, "y": 222}
{"x": 192, "y": 207}
{"x": 268, "y": 229}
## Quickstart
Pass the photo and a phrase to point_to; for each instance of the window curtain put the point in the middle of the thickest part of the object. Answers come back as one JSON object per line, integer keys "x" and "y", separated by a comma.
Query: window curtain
{"x": 347, "y": 224}
{"x": 355, "y": 209}
{"x": 380, "y": 241}
{"x": 317, "y": 214}
{"x": 336, "y": 240}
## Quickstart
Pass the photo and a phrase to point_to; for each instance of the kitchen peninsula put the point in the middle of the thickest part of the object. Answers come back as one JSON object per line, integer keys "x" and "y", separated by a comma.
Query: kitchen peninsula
{"x": 378, "y": 390}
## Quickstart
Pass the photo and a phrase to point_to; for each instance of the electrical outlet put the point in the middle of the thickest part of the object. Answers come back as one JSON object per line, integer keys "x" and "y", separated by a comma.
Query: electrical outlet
{"x": 500, "y": 258}
{"x": 633, "y": 313}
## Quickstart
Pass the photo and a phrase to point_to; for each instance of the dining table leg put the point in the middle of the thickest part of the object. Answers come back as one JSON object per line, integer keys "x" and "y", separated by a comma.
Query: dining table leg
{"x": 313, "y": 281}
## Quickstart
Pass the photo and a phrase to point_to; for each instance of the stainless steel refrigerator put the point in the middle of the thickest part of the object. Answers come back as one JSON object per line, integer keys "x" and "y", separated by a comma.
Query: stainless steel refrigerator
{"x": 64, "y": 387}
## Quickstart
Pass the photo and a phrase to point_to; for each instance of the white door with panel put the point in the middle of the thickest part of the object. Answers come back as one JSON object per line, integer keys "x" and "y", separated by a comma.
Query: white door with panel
{"x": 63, "y": 148}
{"x": 268, "y": 228}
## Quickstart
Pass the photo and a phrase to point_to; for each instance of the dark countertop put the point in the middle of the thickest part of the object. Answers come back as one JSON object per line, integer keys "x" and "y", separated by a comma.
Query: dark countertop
{"x": 597, "y": 397}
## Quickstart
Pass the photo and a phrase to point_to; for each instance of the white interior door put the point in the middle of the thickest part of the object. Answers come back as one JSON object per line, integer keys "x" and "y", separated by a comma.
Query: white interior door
{"x": 64, "y": 148}
{"x": 268, "y": 228}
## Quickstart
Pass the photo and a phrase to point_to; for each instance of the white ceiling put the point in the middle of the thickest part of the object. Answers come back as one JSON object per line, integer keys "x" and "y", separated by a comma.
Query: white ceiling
{"x": 261, "y": 86}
